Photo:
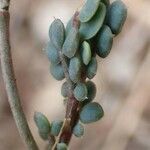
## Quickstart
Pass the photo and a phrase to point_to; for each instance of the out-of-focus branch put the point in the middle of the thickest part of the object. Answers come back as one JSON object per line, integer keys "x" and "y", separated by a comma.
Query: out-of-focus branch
{"x": 132, "y": 110}
{"x": 9, "y": 78}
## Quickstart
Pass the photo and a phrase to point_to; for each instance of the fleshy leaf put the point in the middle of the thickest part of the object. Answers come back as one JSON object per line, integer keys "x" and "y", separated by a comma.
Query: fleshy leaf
{"x": 55, "y": 127}
{"x": 92, "y": 68}
{"x": 42, "y": 123}
{"x": 75, "y": 69}
{"x": 57, "y": 72}
{"x": 57, "y": 33}
{"x": 86, "y": 52}
{"x": 104, "y": 41}
{"x": 91, "y": 112}
{"x": 80, "y": 92}
{"x": 78, "y": 130}
{"x": 71, "y": 43}
{"x": 89, "y": 29}
{"x": 116, "y": 16}
{"x": 52, "y": 53}
{"x": 88, "y": 10}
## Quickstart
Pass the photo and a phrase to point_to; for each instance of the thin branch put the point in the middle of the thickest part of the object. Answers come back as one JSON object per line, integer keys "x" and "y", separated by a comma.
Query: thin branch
{"x": 9, "y": 78}
{"x": 72, "y": 111}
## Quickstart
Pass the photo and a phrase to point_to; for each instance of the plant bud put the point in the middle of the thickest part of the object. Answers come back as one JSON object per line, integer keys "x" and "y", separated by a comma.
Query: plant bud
{"x": 88, "y": 10}
{"x": 52, "y": 53}
{"x": 92, "y": 68}
{"x": 86, "y": 52}
{"x": 80, "y": 92}
{"x": 91, "y": 112}
{"x": 104, "y": 41}
{"x": 65, "y": 89}
{"x": 71, "y": 43}
{"x": 91, "y": 88}
{"x": 57, "y": 33}
{"x": 75, "y": 69}
{"x": 61, "y": 146}
{"x": 42, "y": 123}
{"x": 116, "y": 16}
{"x": 57, "y": 72}
{"x": 78, "y": 130}
{"x": 89, "y": 29}
{"x": 55, "y": 127}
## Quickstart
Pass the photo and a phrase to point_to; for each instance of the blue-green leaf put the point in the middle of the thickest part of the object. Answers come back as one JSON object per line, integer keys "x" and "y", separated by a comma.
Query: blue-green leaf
{"x": 91, "y": 112}
{"x": 55, "y": 127}
{"x": 91, "y": 68}
{"x": 88, "y": 10}
{"x": 52, "y": 53}
{"x": 57, "y": 33}
{"x": 104, "y": 41}
{"x": 116, "y": 16}
{"x": 89, "y": 29}
{"x": 61, "y": 146}
{"x": 65, "y": 89}
{"x": 75, "y": 69}
{"x": 57, "y": 72}
{"x": 42, "y": 123}
{"x": 71, "y": 43}
{"x": 86, "y": 52}
{"x": 78, "y": 130}
{"x": 80, "y": 92}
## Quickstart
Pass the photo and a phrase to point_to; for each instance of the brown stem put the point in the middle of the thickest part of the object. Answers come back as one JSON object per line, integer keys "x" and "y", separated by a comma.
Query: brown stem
{"x": 9, "y": 78}
{"x": 72, "y": 117}
{"x": 72, "y": 110}
{"x": 70, "y": 121}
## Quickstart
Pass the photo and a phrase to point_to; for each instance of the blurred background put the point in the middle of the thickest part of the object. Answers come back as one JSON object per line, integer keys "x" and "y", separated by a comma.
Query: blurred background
{"x": 123, "y": 78}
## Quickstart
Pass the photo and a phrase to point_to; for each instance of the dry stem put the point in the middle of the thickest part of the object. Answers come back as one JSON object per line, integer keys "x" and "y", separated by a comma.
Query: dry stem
{"x": 9, "y": 78}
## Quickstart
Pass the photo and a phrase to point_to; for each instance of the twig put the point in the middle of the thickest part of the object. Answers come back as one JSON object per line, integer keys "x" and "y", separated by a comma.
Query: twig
{"x": 72, "y": 111}
{"x": 9, "y": 78}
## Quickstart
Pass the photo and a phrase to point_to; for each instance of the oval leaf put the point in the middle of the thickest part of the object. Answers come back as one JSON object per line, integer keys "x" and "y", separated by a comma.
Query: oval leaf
{"x": 55, "y": 127}
{"x": 69, "y": 26}
{"x": 78, "y": 130}
{"x": 104, "y": 41}
{"x": 116, "y": 16}
{"x": 52, "y": 53}
{"x": 90, "y": 29}
{"x": 80, "y": 92}
{"x": 75, "y": 69}
{"x": 71, "y": 43}
{"x": 42, "y": 123}
{"x": 88, "y": 10}
{"x": 86, "y": 52}
{"x": 61, "y": 146}
{"x": 91, "y": 112}
{"x": 92, "y": 68}
{"x": 57, "y": 72}
{"x": 44, "y": 136}
{"x": 57, "y": 33}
